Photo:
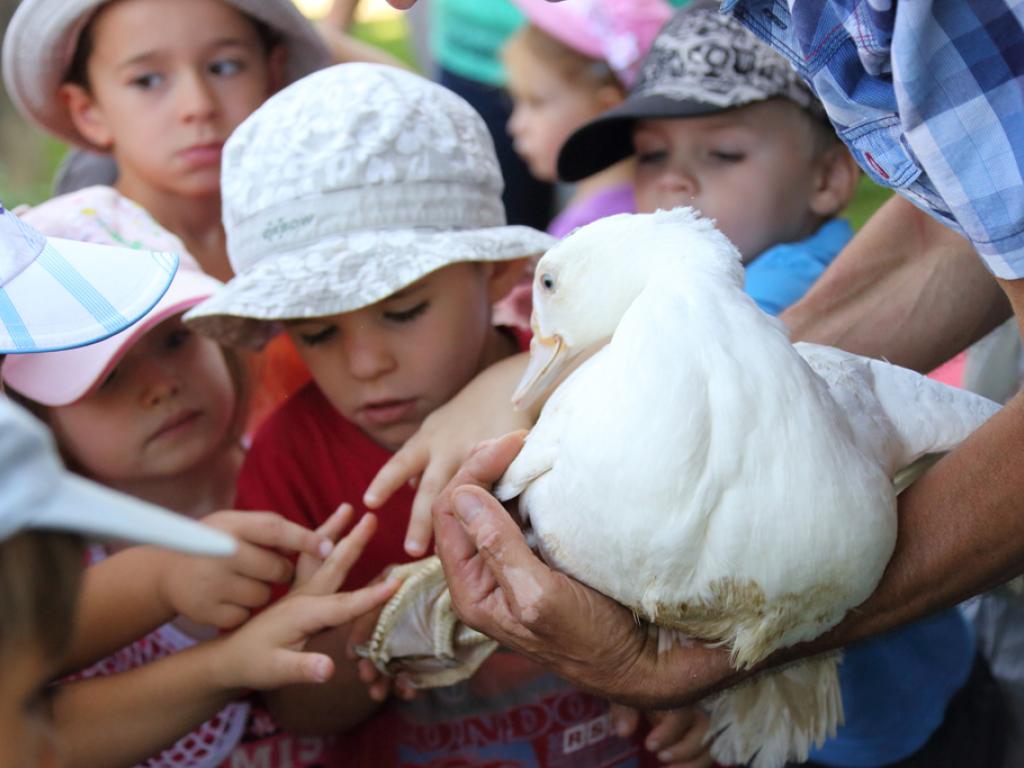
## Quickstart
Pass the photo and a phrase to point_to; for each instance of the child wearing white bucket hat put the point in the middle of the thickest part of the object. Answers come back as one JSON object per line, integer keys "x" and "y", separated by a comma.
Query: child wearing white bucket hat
{"x": 364, "y": 219}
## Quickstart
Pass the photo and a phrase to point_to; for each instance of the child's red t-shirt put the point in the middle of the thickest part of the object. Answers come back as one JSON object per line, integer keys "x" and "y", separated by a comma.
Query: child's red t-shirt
{"x": 305, "y": 461}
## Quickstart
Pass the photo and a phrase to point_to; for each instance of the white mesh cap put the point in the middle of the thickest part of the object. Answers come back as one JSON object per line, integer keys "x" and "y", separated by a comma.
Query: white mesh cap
{"x": 37, "y": 493}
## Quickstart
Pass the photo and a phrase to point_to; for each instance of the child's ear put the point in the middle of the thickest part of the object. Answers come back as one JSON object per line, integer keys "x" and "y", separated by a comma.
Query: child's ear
{"x": 503, "y": 277}
{"x": 277, "y": 62}
{"x": 86, "y": 115}
{"x": 837, "y": 174}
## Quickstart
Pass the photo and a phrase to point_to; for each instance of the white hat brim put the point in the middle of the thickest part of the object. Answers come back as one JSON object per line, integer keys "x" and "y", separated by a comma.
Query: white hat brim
{"x": 81, "y": 506}
{"x": 78, "y": 293}
{"x": 345, "y": 273}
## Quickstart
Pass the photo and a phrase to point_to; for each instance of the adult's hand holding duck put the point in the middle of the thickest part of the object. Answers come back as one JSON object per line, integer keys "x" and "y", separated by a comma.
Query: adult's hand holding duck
{"x": 757, "y": 508}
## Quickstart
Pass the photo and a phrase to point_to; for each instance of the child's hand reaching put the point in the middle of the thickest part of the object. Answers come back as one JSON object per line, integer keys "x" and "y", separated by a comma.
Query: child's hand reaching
{"x": 267, "y": 652}
{"x": 222, "y": 592}
{"x": 677, "y": 735}
{"x": 432, "y": 456}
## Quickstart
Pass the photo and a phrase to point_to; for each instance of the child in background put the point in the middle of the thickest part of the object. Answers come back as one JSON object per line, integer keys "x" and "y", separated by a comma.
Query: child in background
{"x": 383, "y": 268}
{"x": 568, "y": 64}
{"x": 159, "y": 86}
{"x": 717, "y": 120}
{"x": 156, "y": 412}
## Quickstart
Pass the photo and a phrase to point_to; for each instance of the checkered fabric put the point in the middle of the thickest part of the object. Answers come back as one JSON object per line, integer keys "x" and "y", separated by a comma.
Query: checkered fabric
{"x": 929, "y": 96}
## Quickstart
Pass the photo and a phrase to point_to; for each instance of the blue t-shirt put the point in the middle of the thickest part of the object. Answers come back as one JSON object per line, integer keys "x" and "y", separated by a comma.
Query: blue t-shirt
{"x": 895, "y": 687}
{"x": 783, "y": 273}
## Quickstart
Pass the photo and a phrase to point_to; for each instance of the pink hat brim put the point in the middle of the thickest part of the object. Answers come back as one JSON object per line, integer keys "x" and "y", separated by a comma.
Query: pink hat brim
{"x": 61, "y": 378}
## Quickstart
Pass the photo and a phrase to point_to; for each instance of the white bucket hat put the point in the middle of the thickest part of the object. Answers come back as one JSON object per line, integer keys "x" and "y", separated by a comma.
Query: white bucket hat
{"x": 346, "y": 187}
{"x": 37, "y": 493}
{"x": 41, "y": 39}
{"x": 58, "y": 294}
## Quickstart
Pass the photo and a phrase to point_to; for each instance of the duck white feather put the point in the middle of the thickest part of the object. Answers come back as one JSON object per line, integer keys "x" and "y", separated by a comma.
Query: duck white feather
{"x": 704, "y": 471}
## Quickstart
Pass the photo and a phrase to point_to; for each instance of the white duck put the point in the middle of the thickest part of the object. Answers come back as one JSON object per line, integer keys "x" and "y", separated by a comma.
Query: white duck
{"x": 707, "y": 473}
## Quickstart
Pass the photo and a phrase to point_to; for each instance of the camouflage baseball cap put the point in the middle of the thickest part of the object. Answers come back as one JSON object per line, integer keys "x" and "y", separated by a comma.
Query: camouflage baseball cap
{"x": 701, "y": 62}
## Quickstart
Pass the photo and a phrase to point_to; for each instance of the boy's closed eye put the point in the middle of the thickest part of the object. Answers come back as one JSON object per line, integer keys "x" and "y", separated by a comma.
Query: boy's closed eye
{"x": 726, "y": 156}
{"x": 396, "y": 315}
{"x": 312, "y": 336}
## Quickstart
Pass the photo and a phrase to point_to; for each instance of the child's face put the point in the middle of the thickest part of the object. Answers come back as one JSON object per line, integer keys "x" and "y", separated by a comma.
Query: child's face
{"x": 752, "y": 169}
{"x": 169, "y": 83}
{"x": 386, "y": 367}
{"x": 547, "y": 108}
{"x": 26, "y": 731}
{"x": 167, "y": 406}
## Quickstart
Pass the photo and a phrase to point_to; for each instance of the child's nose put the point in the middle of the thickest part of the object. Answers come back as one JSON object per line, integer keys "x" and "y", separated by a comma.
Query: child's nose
{"x": 195, "y": 97}
{"x": 368, "y": 356}
{"x": 159, "y": 383}
{"x": 679, "y": 185}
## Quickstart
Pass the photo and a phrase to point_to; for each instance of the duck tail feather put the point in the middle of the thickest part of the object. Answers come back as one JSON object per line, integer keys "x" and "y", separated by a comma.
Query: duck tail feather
{"x": 779, "y": 716}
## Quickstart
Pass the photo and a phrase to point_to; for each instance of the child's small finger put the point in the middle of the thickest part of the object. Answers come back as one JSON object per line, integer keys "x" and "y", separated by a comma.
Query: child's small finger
{"x": 256, "y": 562}
{"x": 367, "y": 672}
{"x": 332, "y": 527}
{"x": 421, "y": 526}
{"x": 624, "y": 719}
{"x": 379, "y": 690}
{"x": 287, "y": 667}
{"x": 348, "y": 550}
{"x": 681, "y": 741}
{"x": 670, "y": 727}
{"x": 348, "y": 605}
{"x": 404, "y": 688}
{"x": 247, "y": 593}
{"x": 230, "y": 616}
{"x": 407, "y": 462}
{"x": 269, "y": 529}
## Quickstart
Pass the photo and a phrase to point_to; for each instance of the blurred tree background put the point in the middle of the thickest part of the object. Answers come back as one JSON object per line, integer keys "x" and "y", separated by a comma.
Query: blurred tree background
{"x": 27, "y": 157}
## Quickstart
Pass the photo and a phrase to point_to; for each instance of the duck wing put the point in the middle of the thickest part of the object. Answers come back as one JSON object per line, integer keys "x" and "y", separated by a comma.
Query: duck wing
{"x": 541, "y": 447}
{"x": 897, "y": 415}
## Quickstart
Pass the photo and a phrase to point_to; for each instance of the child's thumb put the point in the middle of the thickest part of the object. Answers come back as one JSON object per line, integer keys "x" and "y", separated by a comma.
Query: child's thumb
{"x": 296, "y": 667}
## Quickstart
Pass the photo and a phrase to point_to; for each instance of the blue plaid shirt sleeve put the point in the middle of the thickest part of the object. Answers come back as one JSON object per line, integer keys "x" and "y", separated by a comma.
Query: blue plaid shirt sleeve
{"x": 929, "y": 96}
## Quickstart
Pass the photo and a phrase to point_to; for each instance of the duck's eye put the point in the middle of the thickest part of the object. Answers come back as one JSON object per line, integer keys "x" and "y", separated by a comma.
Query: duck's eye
{"x": 548, "y": 281}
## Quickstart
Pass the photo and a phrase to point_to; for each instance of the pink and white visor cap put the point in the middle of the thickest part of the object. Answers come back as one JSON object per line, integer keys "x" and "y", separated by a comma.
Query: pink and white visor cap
{"x": 618, "y": 32}
{"x": 62, "y": 378}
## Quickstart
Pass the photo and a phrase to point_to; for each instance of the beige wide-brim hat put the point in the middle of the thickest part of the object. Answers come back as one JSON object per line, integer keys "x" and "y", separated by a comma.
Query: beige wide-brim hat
{"x": 41, "y": 39}
{"x": 346, "y": 187}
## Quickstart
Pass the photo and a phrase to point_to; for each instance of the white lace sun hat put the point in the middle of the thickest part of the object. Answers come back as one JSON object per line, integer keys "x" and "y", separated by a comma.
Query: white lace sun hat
{"x": 346, "y": 187}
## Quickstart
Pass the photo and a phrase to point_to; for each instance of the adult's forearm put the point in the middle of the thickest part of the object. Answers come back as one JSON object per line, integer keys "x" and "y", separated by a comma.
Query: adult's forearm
{"x": 906, "y": 288}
